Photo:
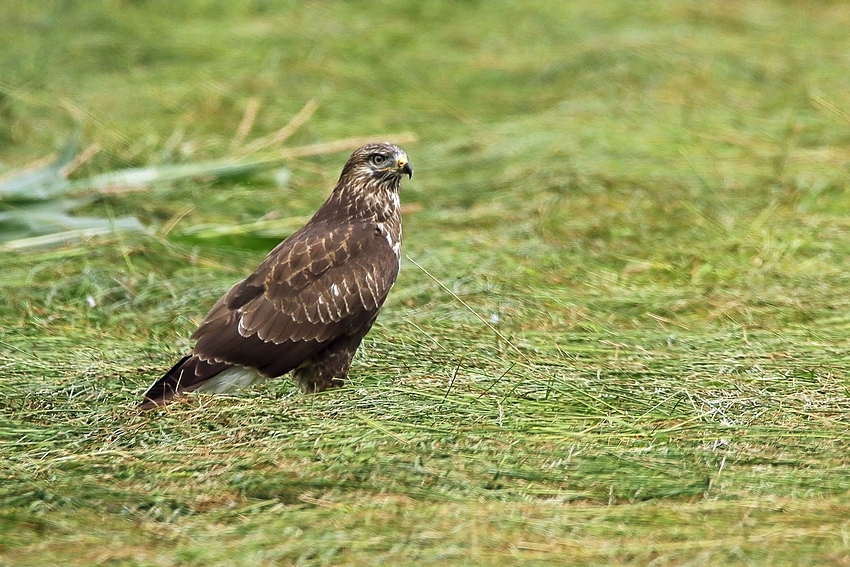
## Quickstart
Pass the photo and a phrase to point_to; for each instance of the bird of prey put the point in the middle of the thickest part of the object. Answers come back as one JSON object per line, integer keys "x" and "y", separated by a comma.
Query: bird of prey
{"x": 311, "y": 301}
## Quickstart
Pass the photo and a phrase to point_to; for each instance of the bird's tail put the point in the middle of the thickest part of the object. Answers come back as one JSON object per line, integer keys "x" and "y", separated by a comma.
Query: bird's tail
{"x": 188, "y": 374}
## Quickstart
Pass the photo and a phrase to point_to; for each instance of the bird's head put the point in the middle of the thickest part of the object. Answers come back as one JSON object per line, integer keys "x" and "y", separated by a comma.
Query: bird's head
{"x": 377, "y": 163}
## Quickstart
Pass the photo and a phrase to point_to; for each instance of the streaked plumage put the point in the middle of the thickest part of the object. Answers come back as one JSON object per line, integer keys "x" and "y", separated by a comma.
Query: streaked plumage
{"x": 311, "y": 301}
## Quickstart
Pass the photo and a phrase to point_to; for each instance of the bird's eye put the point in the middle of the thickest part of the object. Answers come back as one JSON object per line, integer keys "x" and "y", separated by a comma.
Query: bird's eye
{"x": 378, "y": 159}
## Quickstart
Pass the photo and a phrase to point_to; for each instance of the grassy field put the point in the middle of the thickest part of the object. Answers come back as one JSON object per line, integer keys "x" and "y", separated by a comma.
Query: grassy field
{"x": 648, "y": 201}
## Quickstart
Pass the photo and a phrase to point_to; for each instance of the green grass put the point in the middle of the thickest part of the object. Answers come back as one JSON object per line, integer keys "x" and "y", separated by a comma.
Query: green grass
{"x": 649, "y": 200}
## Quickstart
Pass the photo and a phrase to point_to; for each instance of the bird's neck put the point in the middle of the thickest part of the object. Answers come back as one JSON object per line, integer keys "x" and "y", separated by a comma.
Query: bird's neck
{"x": 373, "y": 203}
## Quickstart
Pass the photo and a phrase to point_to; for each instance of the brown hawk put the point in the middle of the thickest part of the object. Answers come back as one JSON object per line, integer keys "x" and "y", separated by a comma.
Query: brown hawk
{"x": 311, "y": 301}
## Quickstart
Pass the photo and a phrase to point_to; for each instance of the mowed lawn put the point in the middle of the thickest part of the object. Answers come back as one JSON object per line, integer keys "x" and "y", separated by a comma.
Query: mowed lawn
{"x": 619, "y": 337}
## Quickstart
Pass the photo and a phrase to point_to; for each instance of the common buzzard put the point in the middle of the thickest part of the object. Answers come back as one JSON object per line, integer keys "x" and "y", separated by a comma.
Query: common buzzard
{"x": 311, "y": 301}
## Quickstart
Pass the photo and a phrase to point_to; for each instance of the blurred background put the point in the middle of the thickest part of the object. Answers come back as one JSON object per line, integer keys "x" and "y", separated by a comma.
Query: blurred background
{"x": 647, "y": 200}
{"x": 674, "y": 143}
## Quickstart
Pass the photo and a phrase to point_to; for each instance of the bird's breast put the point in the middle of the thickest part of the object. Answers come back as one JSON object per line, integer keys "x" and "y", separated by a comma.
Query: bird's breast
{"x": 391, "y": 231}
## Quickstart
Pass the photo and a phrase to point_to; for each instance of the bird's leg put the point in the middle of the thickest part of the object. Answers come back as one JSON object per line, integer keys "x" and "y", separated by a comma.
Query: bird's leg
{"x": 328, "y": 368}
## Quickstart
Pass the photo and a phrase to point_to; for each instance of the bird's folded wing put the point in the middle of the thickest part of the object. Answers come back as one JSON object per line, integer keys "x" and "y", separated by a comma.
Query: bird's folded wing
{"x": 317, "y": 285}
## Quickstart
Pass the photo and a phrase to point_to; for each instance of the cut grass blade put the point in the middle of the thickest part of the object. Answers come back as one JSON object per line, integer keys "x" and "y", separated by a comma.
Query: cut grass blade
{"x": 30, "y": 215}
{"x": 42, "y": 182}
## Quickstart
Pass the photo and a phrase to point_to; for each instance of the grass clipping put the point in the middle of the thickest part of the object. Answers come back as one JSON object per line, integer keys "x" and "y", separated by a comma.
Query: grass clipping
{"x": 37, "y": 201}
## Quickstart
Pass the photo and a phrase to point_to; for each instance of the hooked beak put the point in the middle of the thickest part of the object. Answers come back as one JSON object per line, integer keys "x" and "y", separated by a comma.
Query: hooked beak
{"x": 404, "y": 167}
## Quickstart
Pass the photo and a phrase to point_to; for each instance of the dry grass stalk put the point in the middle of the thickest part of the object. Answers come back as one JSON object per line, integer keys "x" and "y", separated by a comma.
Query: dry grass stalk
{"x": 344, "y": 144}
{"x": 31, "y": 166}
{"x": 246, "y": 124}
{"x": 80, "y": 160}
{"x": 284, "y": 133}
